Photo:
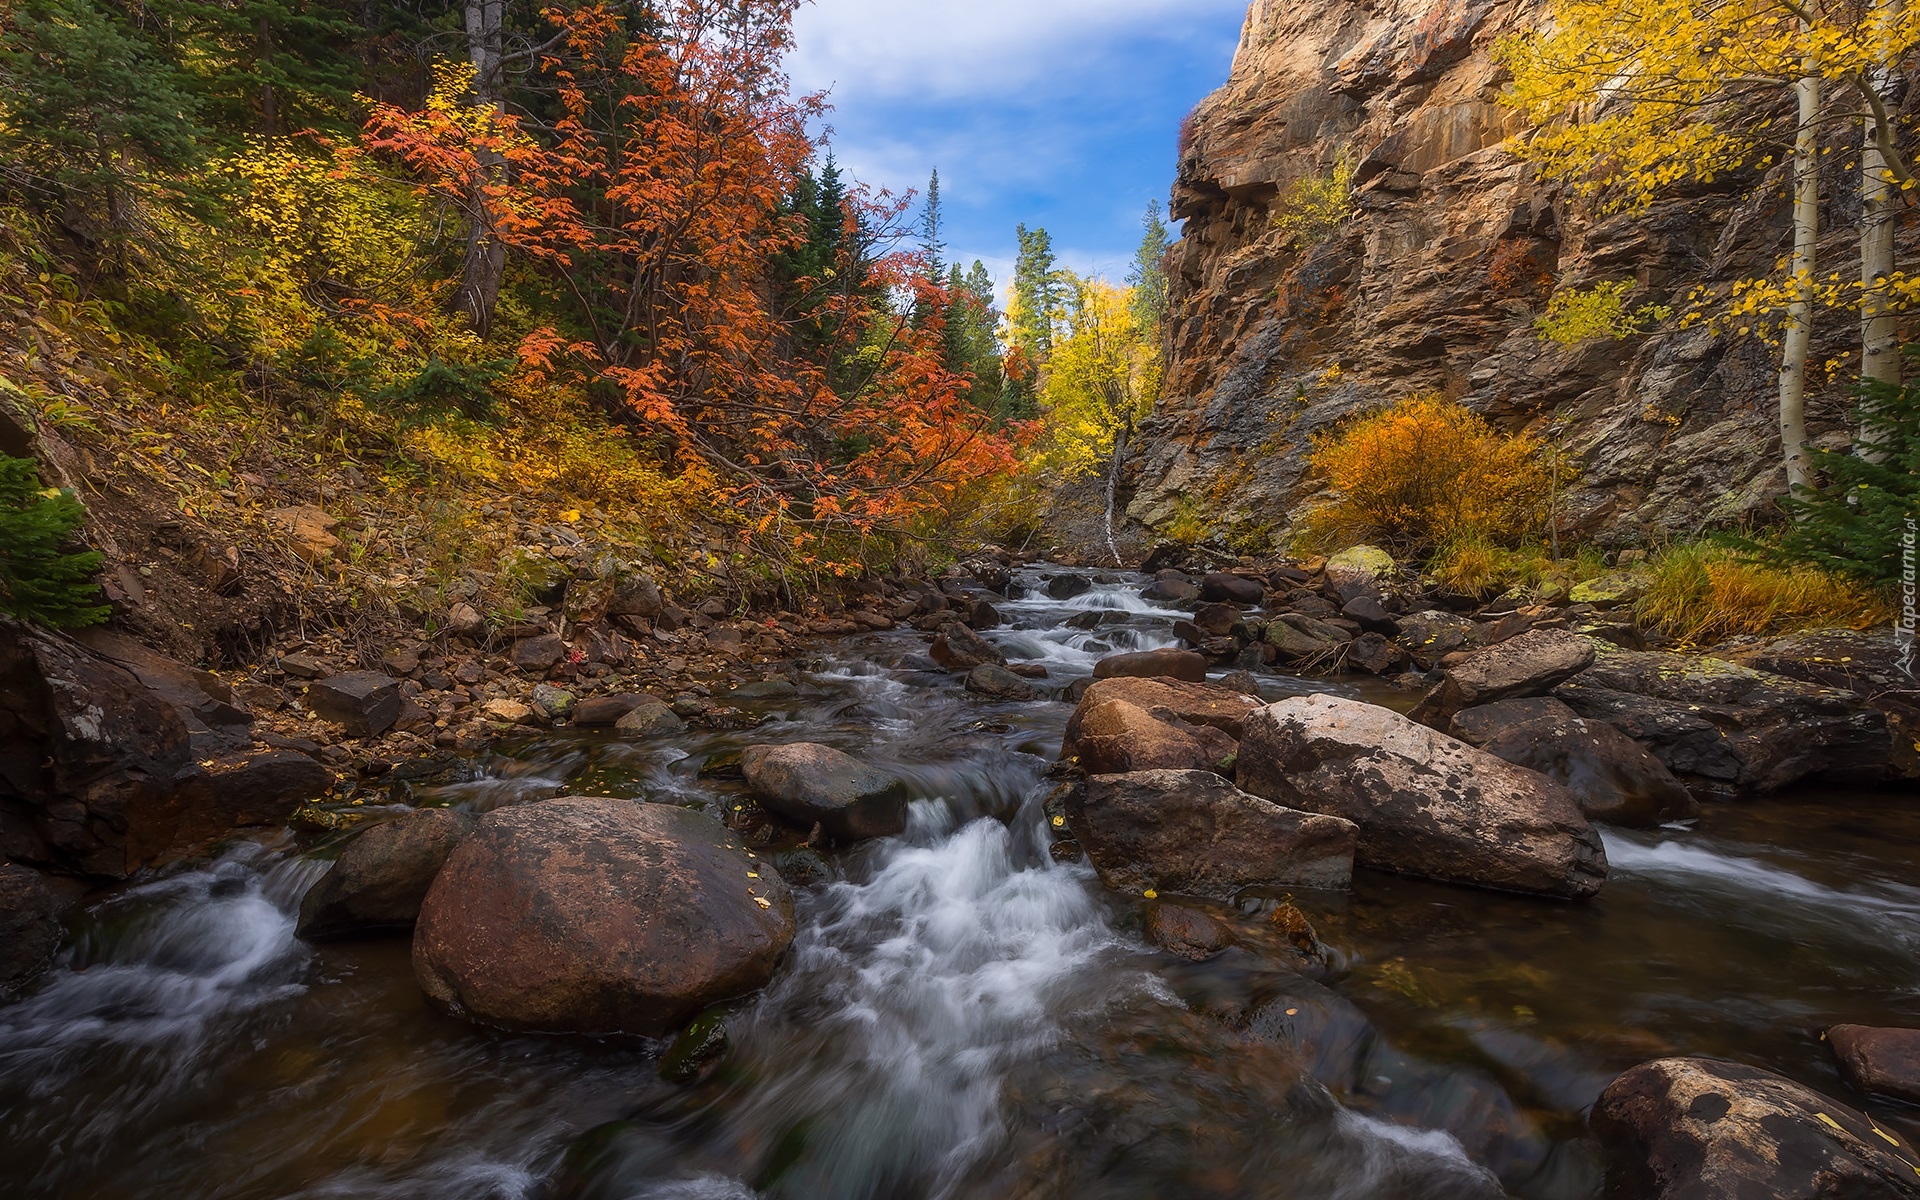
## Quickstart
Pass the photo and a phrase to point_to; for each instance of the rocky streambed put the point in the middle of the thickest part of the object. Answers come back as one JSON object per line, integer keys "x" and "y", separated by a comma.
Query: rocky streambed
{"x": 1251, "y": 934}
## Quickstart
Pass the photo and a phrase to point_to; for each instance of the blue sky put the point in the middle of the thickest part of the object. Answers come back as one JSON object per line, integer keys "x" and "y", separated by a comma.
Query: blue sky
{"x": 1056, "y": 113}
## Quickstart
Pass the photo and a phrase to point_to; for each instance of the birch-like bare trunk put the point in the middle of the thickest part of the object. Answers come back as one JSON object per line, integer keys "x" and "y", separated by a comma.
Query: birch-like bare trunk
{"x": 485, "y": 266}
{"x": 1879, "y": 332}
{"x": 1806, "y": 231}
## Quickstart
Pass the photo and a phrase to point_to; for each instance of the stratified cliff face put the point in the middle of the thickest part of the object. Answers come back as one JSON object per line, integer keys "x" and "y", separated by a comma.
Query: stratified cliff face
{"x": 1434, "y": 283}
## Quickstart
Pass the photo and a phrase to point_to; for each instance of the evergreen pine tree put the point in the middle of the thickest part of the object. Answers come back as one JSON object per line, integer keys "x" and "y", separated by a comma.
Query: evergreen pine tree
{"x": 931, "y": 245}
{"x": 1039, "y": 289}
{"x": 1149, "y": 273}
{"x": 1864, "y": 520}
{"x": 39, "y": 580}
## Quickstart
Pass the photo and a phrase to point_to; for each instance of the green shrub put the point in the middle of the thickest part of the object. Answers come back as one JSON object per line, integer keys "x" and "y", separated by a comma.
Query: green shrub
{"x": 39, "y": 579}
{"x": 1857, "y": 523}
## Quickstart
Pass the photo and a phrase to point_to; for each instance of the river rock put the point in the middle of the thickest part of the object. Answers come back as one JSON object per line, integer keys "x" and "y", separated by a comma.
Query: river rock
{"x": 634, "y": 594}
{"x": 1372, "y": 616}
{"x": 1531, "y": 664}
{"x": 1217, "y": 620}
{"x": 650, "y": 718}
{"x": 1366, "y": 560}
{"x": 598, "y": 916}
{"x": 999, "y": 683}
{"x": 1885, "y": 1062}
{"x": 1193, "y": 833}
{"x": 1432, "y": 635}
{"x": 1866, "y": 662}
{"x": 987, "y": 571}
{"x": 1730, "y": 731}
{"x": 1304, "y": 641}
{"x": 1611, "y": 775}
{"x": 366, "y": 703}
{"x": 1171, "y": 587}
{"x": 1426, "y": 804}
{"x": 29, "y": 926}
{"x": 538, "y": 654}
{"x": 958, "y": 648}
{"x": 1066, "y": 587}
{"x": 607, "y": 710}
{"x": 381, "y": 878}
{"x": 1697, "y": 1129}
{"x": 1374, "y": 654}
{"x": 1211, "y": 704}
{"x": 1153, "y": 664}
{"x": 1185, "y": 932}
{"x": 807, "y": 783}
{"x": 1114, "y": 737}
{"x": 1220, "y": 587}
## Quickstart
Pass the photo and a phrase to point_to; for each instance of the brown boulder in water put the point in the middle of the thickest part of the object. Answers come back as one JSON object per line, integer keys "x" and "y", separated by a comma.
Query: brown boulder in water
{"x": 598, "y": 916}
{"x": 1183, "y": 665}
{"x": 807, "y": 783}
{"x": 381, "y": 878}
{"x": 1885, "y": 1062}
{"x": 1115, "y": 737}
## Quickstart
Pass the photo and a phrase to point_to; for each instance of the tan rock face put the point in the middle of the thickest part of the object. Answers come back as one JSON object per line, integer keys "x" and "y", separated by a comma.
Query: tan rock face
{"x": 1433, "y": 284}
{"x": 598, "y": 916}
{"x": 1116, "y": 737}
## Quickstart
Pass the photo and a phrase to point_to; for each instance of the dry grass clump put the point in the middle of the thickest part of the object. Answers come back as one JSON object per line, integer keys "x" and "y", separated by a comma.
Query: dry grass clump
{"x": 1702, "y": 593}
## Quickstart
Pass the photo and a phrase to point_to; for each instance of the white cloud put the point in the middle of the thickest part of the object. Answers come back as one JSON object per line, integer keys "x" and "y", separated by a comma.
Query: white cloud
{"x": 935, "y": 49}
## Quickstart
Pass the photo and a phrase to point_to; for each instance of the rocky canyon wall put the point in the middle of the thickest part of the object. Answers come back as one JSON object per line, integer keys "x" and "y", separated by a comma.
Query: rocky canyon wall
{"x": 1434, "y": 282}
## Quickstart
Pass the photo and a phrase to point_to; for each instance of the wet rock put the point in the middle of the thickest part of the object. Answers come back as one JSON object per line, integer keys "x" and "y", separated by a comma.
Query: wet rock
{"x": 606, "y": 710}
{"x": 1374, "y": 654}
{"x": 29, "y": 926}
{"x": 1165, "y": 556}
{"x": 1426, "y": 804}
{"x": 1029, "y": 670}
{"x": 987, "y": 571}
{"x": 1432, "y": 635}
{"x": 1193, "y": 833}
{"x": 809, "y": 783}
{"x": 1304, "y": 641}
{"x": 1114, "y": 737}
{"x": 1728, "y": 730}
{"x": 1531, "y": 664}
{"x": 999, "y": 683}
{"x": 1066, "y": 587}
{"x": 381, "y": 878}
{"x": 1185, "y": 932}
{"x": 649, "y": 719}
{"x": 1217, "y": 620}
{"x": 552, "y": 703}
{"x": 598, "y": 916}
{"x": 538, "y": 655}
{"x": 958, "y": 648}
{"x": 763, "y": 690}
{"x": 1171, "y": 587}
{"x": 1153, "y": 664}
{"x": 1209, "y": 704}
{"x": 697, "y": 1047}
{"x": 1220, "y": 587}
{"x": 1885, "y": 1062}
{"x": 1696, "y": 1129}
{"x": 366, "y": 703}
{"x": 1371, "y": 615}
{"x": 1611, "y": 775}
{"x": 1864, "y": 662}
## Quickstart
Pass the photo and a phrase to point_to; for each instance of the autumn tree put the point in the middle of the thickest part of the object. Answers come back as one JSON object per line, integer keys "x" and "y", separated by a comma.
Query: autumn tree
{"x": 1630, "y": 98}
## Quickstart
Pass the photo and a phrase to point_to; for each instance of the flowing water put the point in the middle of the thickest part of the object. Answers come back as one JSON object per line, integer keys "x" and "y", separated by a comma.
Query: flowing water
{"x": 960, "y": 1015}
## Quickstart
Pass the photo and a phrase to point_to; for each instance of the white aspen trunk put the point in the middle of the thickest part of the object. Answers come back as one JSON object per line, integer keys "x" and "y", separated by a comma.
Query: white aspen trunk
{"x": 1806, "y": 230}
{"x": 1879, "y": 333}
{"x": 486, "y": 258}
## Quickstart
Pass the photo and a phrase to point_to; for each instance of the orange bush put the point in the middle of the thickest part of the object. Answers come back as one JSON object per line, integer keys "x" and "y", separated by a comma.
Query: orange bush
{"x": 1425, "y": 472}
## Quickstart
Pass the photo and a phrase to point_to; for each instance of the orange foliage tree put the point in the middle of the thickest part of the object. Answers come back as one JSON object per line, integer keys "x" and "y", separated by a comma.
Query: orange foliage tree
{"x": 653, "y": 199}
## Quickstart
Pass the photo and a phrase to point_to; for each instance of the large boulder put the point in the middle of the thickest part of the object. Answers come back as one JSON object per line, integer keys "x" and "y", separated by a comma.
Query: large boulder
{"x": 1211, "y": 704}
{"x": 1731, "y": 731}
{"x": 103, "y": 773}
{"x": 1171, "y": 587}
{"x": 998, "y": 683}
{"x": 1426, "y": 804}
{"x": 1193, "y": 833}
{"x": 1696, "y": 1129}
{"x": 958, "y": 648}
{"x": 649, "y": 718}
{"x": 1885, "y": 1062}
{"x": 1869, "y": 663}
{"x": 1154, "y": 664}
{"x": 1432, "y": 635}
{"x": 29, "y": 926}
{"x": 1531, "y": 664}
{"x": 365, "y": 703}
{"x": 1114, "y": 737}
{"x": 598, "y": 916}
{"x": 380, "y": 880}
{"x": 1221, "y": 587}
{"x": 1611, "y": 775}
{"x": 1303, "y": 641}
{"x": 808, "y": 783}
{"x": 1363, "y": 560}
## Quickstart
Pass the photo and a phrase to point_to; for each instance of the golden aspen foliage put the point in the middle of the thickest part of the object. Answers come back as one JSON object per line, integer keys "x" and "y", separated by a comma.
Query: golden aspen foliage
{"x": 1102, "y": 379}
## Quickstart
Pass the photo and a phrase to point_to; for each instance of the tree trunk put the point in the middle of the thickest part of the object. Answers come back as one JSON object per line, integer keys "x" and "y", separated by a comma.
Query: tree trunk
{"x": 1879, "y": 334}
{"x": 1806, "y": 230}
{"x": 486, "y": 258}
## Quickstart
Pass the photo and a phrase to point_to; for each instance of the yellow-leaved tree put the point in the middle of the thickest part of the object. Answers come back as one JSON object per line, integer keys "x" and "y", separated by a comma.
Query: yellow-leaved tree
{"x": 1631, "y": 96}
{"x": 1102, "y": 378}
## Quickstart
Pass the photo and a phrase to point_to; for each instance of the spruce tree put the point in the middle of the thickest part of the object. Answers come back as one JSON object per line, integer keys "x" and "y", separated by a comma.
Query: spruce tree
{"x": 1038, "y": 286}
{"x": 1864, "y": 522}
{"x": 39, "y": 579}
{"x": 1149, "y": 273}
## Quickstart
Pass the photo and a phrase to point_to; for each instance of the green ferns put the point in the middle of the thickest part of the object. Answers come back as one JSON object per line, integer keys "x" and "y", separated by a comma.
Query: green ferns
{"x": 39, "y": 579}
